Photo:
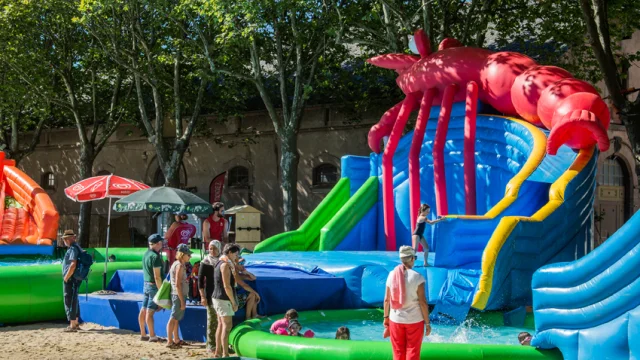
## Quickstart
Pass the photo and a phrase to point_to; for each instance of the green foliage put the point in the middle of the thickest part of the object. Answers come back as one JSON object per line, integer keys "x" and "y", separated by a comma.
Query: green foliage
{"x": 10, "y": 202}
{"x": 57, "y": 64}
{"x": 157, "y": 43}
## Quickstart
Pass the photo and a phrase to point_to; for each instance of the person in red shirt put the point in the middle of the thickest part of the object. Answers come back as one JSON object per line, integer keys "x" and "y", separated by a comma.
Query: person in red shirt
{"x": 215, "y": 226}
{"x": 180, "y": 232}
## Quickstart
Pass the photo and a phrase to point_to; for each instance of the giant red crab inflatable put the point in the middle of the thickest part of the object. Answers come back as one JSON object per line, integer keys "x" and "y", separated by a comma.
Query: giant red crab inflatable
{"x": 512, "y": 83}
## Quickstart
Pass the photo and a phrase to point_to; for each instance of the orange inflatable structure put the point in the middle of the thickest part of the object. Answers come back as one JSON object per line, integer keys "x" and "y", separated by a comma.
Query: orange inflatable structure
{"x": 35, "y": 221}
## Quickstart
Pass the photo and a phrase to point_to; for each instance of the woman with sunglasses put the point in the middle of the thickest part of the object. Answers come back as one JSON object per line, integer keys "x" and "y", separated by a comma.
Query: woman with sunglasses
{"x": 406, "y": 313}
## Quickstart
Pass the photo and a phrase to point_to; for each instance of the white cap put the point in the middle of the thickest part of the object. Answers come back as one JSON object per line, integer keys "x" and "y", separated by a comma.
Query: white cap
{"x": 217, "y": 244}
{"x": 406, "y": 251}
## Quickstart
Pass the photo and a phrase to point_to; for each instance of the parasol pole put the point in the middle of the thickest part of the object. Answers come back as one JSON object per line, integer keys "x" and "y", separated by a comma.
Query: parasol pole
{"x": 106, "y": 256}
{"x": 106, "y": 253}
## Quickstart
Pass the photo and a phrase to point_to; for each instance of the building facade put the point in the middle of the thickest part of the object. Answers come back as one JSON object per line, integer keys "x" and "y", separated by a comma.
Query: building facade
{"x": 250, "y": 158}
{"x": 617, "y": 196}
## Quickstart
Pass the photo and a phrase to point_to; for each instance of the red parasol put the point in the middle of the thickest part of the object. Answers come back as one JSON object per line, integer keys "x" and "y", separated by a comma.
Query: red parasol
{"x": 101, "y": 187}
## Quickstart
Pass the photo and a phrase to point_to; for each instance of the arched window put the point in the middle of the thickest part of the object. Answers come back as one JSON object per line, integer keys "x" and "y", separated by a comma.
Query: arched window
{"x": 325, "y": 175}
{"x": 158, "y": 178}
{"x": 238, "y": 178}
{"x": 48, "y": 181}
{"x": 611, "y": 173}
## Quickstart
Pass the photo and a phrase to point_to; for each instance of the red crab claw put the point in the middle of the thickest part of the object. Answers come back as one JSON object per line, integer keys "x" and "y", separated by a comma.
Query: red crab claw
{"x": 383, "y": 128}
{"x": 580, "y": 122}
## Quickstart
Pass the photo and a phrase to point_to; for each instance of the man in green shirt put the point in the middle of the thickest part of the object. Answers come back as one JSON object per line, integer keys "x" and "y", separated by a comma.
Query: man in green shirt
{"x": 152, "y": 272}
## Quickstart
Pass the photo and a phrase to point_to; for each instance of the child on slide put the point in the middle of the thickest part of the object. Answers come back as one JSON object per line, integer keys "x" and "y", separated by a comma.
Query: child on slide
{"x": 418, "y": 234}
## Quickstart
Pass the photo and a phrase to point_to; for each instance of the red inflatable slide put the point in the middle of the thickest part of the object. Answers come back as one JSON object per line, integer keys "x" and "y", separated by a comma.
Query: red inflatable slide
{"x": 31, "y": 217}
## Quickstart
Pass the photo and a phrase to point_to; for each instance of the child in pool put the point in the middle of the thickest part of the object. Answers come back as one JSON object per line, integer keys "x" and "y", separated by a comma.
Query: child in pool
{"x": 283, "y": 324}
{"x": 295, "y": 328}
{"x": 524, "y": 338}
{"x": 343, "y": 333}
{"x": 418, "y": 234}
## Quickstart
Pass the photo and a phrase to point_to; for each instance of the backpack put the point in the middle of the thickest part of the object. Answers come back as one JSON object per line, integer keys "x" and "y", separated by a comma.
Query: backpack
{"x": 83, "y": 266}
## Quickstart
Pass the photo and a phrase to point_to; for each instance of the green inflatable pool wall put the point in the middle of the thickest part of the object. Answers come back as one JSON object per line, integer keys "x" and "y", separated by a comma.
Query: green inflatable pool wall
{"x": 252, "y": 339}
{"x": 34, "y": 293}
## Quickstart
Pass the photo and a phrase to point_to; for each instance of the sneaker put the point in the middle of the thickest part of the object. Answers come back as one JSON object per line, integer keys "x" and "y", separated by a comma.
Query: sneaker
{"x": 144, "y": 338}
{"x": 154, "y": 339}
{"x": 70, "y": 329}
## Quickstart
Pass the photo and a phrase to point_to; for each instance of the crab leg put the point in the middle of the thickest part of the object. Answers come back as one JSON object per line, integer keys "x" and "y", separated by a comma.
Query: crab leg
{"x": 414, "y": 154}
{"x": 383, "y": 127}
{"x": 438, "y": 149}
{"x": 470, "y": 148}
{"x": 408, "y": 105}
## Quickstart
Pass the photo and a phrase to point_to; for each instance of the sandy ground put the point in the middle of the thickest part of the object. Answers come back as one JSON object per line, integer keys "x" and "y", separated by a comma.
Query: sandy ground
{"x": 48, "y": 341}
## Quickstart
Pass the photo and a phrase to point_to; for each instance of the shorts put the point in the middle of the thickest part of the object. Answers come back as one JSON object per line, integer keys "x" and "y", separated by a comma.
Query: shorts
{"x": 176, "y": 311}
{"x": 150, "y": 291}
{"x": 223, "y": 307}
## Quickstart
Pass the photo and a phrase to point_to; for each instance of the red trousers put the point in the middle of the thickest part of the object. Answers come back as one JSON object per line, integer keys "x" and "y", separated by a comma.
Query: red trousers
{"x": 406, "y": 340}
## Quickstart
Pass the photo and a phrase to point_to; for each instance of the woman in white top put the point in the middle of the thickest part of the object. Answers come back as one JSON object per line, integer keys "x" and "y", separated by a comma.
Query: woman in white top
{"x": 406, "y": 313}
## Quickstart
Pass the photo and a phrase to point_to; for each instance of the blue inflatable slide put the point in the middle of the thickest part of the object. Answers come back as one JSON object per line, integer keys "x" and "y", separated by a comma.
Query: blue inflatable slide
{"x": 592, "y": 305}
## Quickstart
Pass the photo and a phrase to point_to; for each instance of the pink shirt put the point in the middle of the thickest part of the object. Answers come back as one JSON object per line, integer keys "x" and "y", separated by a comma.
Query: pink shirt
{"x": 279, "y": 324}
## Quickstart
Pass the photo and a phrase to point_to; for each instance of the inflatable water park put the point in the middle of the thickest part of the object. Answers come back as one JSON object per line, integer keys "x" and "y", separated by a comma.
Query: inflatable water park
{"x": 501, "y": 147}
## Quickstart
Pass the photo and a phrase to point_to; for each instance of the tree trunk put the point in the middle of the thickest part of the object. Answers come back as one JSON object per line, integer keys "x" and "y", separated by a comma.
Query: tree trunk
{"x": 172, "y": 176}
{"x": 84, "y": 219}
{"x": 171, "y": 166}
{"x": 289, "y": 159}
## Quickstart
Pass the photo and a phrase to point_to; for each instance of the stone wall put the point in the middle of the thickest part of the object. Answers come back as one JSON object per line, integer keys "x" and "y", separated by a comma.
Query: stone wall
{"x": 325, "y": 136}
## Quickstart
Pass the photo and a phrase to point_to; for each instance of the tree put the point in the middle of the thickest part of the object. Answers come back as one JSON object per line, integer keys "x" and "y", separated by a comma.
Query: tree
{"x": 54, "y": 57}
{"x": 19, "y": 113}
{"x": 141, "y": 38}
{"x": 278, "y": 46}
{"x": 387, "y": 25}
{"x": 607, "y": 23}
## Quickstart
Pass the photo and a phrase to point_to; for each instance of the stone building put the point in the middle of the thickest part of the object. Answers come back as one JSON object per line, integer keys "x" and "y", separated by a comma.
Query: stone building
{"x": 617, "y": 196}
{"x": 253, "y": 167}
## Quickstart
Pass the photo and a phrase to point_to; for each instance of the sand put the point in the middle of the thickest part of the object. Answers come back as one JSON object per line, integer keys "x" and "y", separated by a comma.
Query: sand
{"x": 48, "y": 341}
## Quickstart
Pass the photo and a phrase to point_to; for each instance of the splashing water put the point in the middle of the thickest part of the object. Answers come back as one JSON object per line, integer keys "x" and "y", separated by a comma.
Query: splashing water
{"x": 29, "y": 262}
{"x": 469, "y": 332}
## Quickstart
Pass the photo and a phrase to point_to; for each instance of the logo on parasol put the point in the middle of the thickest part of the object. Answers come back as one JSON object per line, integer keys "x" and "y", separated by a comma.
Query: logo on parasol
{"x": 78, "y": 187}
{"x": 96, "y": 186}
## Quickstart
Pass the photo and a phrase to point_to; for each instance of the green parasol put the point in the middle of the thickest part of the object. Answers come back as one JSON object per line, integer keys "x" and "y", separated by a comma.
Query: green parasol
{"x": 163, "y": 199}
